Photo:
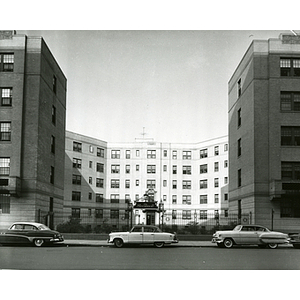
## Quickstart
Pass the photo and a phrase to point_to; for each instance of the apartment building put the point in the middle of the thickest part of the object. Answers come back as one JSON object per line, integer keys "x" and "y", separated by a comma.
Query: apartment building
{"x": 32, "y": 131}
{"x": 264, "y": 133}
{"x": 184, "y": 179}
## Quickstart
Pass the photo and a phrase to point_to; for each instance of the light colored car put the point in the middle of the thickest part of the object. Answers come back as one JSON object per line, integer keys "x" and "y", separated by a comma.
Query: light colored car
{"x": 142, "y": 234}
{"x": 250, "y": 235}
{"x": 30, "y": 232}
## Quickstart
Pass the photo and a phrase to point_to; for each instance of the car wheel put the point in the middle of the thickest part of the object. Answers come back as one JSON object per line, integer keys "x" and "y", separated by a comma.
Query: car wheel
{"x": 228, "y": 243}
{"x": 118, "y": 243}
{"x": 159, "y": 244}
{"x": 272, "y": 246}
{"x": 38, "y": 242}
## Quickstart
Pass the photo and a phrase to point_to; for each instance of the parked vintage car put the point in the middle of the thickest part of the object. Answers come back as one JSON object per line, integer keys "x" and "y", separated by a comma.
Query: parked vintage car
{"x": 295, "y": 240}
{"x": 30, "y": 232}
{"x": 250, "y": 235}
{"x": 142, "y": 234}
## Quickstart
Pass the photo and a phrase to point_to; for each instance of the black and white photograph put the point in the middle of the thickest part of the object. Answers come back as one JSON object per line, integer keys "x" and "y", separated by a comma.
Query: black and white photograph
{"x": 132, "y": 151}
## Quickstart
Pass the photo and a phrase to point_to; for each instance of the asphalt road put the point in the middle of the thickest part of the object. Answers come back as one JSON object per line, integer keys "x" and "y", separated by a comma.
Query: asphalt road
{"x": 147, "y": 258}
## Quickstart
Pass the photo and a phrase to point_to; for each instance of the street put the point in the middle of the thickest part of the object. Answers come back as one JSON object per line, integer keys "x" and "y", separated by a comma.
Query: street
{"x": 147, "y": 258}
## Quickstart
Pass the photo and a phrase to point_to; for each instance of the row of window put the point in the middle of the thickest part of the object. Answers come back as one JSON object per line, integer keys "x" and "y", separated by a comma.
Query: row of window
{"x": 115, "y": 198}
{"x": 151, "y": 154}
{"x": 6, "y": 62}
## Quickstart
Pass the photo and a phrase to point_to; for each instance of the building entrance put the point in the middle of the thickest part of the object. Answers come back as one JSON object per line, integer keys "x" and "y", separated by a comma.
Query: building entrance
{"x": 150, "y": 218}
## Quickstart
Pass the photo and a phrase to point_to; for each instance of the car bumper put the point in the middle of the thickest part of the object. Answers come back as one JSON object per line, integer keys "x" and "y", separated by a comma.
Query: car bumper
{"x": 175, "y": 241}
{"x": 56, "y": 240}
{"x": 216, "y": 240}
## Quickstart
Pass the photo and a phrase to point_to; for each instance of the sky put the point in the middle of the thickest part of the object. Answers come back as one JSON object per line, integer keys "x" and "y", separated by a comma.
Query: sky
{"x": 170, "y": 84}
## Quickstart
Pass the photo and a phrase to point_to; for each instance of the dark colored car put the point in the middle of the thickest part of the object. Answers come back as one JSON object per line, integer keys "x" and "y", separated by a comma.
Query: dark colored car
{"x": 295, "y": 240}
{"x": 30, "y": 233}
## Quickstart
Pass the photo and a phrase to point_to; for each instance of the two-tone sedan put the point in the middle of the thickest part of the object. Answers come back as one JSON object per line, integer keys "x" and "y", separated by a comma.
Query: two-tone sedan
{"x": 142, "y": 234}
{"x": 250, "y": 235}
{"x": 30, "y": 233}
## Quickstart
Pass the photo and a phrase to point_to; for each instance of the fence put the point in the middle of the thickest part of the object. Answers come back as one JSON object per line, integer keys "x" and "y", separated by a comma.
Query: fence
{"x": 121, "y": 220}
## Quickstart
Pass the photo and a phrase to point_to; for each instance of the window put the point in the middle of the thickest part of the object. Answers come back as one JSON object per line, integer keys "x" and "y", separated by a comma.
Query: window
{"x": 216, "y": 167}
{"x": 54, "y": 84}
{"x": 137, "y": 153}
{"x": 203, "y": 153}
{"x": 203, "y": 214}
{"x": 127, "y": 169}
{"x": 203, "y": 184}
{"x": 76, "y": 179}
{"x": 239, "y": 119}
{"x": 52, "y": 174}
{"x": 5, "y": 203}
{"x": 76, "y": 196}
{"x": 114, "y": 214}
{"x": 186, "y": 155}
{"x": 216, "y": 198}
{"x": 225, "y": 147}
{"x": 186, "y": 184}
{"x": 53, "y": 115}
{"x": 186, "y": 170}
{"x": 91, "y": 149}
{"x": 137, "y": 182}
{"x": 90, "y": 180}
{"x": 4, "y": 166}
{"x": 165, "y": 153}
{"x": 174, "y": 184}
{"x": 290, "y": 208}
{"x": 151, "y": 153}
{"x": 203, "y": 169}
{"x": 7, "y": 62}
{"x": 165, "y": 168}
{"x": 99, "y": 198}
{"x": 174, "y": 169}
{"x": 165, "y": 183}
{"x": 100, "y": 167}
{"x": 164, "y": 197}
{"x": 290, "y": 136}
{"x": 77, "y": 147}
{"x": 99, "y": 213}
{"x": 76, "y": 213}
{"x": 115, "y": 183}
{"x": 100, "y": 152}
{"x": 239, "y": 149}
{"x": 137, "y": 168}
{"x": 186, "y": 214}
{"x": 174, "y": 199}
{"x": 90, "y": 196}
{"x": 225, "y": 163}
{"x": 290, "y": 67}
{"x": 186, "y": 199}
{"x": 239, "y": 87}
{"x": 174, "y": 214}
{"x": 226, "y": 197}
{"x": 216, "y": 181}
{"x": 216, "y": 150}
{"x": 174, "y": 154}
{"x": 290, "y": 171}
{"x": 127, "y": 184}
{"x": 99, "y": 182}
{"x": 225, "y": 180}
{"x": 239, "y": 177}
{"x": 127, "y": 154}
{"x": 115, "y": 154}
{"x": 226, "y": 213}
{"x": 114, "y": 198}
{"x": 150, "y": 184}
{"x": 5, "y": 131}
{"x": 77, "y": 163}
{"x": 115, "y": 169}
{"x": 151, "y": 169}
{"x": 52, "y": 144}
{"x": 90, "y": 164}
{"x": 203, "y": 199}
{"x": 290, "y": 101}
{"x": 6, "y": 96}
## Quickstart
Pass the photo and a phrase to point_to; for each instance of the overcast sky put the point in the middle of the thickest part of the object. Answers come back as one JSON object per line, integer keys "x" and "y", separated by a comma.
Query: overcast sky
{"x": 172, "y": 83}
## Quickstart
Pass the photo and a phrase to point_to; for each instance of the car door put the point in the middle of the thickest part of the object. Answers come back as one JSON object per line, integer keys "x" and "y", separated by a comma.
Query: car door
{"x": 249, "y": 235}
{"x": 15, "y": 235}
{"x": 148, "y": 235}
{"x": 136, "y": 235}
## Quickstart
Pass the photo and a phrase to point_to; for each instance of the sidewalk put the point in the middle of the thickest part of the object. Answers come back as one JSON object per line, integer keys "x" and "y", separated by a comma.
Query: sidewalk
{"x": 104, "y": 243}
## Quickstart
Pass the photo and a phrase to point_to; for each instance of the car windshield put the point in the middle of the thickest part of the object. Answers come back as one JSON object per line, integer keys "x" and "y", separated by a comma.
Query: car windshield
{"x": 237, "y": 228}
{"x": 43, "y": 227}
